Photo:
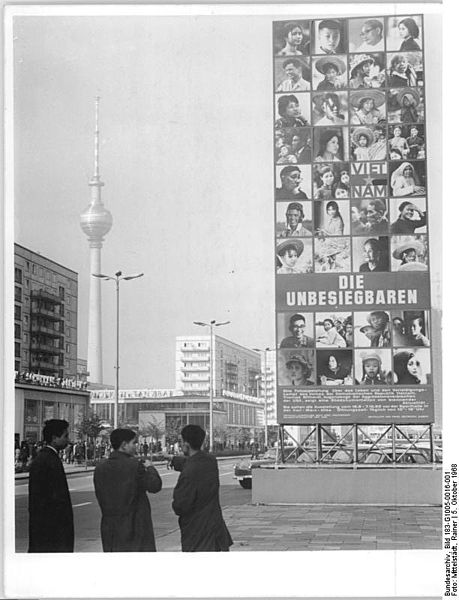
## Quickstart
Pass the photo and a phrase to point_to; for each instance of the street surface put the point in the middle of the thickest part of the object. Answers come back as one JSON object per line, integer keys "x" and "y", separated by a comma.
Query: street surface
{"x": 86, "y": 511}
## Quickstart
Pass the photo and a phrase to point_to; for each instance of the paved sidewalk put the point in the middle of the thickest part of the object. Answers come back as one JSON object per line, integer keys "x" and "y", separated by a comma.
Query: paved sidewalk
{"x": 329, "y": 527}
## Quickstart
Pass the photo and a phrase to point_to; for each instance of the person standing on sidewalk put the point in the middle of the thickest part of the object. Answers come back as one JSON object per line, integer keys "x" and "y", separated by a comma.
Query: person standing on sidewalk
{"x": 50, "y": 507}
{"x": 196, "y": 498}
{"x": 121, "y": 483}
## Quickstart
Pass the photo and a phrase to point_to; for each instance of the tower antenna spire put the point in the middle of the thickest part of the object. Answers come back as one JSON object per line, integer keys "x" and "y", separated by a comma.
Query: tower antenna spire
{"x": 96, "y": 221}
{"x": 96, "y": 140}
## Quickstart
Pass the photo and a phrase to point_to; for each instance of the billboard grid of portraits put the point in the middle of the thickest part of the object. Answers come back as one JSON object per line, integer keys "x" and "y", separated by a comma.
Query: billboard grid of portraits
{"x": 339, "y": 347}
{"x": 349, "y": 135}
{"x": 351, "y": 192}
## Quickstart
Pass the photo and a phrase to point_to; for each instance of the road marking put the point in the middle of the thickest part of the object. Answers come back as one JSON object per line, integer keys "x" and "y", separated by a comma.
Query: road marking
{"x": 82, "y": 504}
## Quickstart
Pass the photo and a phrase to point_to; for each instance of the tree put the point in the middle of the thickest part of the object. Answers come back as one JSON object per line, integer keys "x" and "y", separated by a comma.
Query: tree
{"x": 90, "y": 427}
{"x": 151, "y": 429}
{"x": 174, "y": 426}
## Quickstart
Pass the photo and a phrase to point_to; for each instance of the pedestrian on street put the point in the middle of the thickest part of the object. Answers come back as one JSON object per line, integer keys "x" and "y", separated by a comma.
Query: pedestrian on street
{"x": 50, "y": 507}
{"x": 196, "y": 498}
{"x": 121, "y": 483}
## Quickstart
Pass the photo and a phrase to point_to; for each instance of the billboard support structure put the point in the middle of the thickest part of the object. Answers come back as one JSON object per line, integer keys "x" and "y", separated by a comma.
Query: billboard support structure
{"x": 322, "y": 452}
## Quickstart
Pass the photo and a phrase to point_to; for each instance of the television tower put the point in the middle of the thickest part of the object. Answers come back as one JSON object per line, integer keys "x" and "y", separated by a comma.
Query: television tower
{"x": 96, "y": 221}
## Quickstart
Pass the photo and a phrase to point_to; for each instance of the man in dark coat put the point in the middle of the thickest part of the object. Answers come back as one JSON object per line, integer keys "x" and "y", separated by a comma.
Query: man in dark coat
{"x": 50, "y": 507}
{"x": 196, "y": 498}
{"x": 121, "y": 483}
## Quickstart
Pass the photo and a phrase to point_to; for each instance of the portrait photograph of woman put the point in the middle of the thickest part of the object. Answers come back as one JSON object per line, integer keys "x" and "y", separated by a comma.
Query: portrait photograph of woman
{"x": 292, "y": 110}
{"x": 291, "y": 38}
{"x": 368, "y": 107}
{"x": 330, "y": 180}
{"x": 370, "y": 254}
{"x": 334, "y": 367}
{"x": 404, "y": 34}
{"x": 331, "y": 144}
{"x": 405, "y": 69}
{"x": 331, "y": 218}
{"x": 296, "y": 367}
{"x": 329, "y": 108}
{"x": 412, "y": 366}
{"x": 407, "y": 179}
{"x": 366, "y": 71}
{"x": 332, "y": 255}
{"x": 330, "y": 329}
{"x": 405, "y": 105}
{"x": 329, "y": 73}
{"x": 294, "y": 256}
{"x": 408, "y": 217}
{"x": 409, "y": 253}
{"x": 411, "y": 328}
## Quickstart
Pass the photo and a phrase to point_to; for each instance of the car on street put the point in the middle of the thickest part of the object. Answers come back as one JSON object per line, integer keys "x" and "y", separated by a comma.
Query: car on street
{"x": 403, "y": 456}
{"x": 243, "y": 469}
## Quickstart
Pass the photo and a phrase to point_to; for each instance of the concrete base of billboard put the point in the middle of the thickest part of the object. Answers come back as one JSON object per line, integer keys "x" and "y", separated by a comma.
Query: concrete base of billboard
{"x": 394, "y": 486}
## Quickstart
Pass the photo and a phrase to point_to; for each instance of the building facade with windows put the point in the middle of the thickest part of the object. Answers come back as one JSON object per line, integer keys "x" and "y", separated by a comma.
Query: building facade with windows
{"x": 236, "y": 416}
{"x": 45, "y": 315}
{"x": 234, "y": 369}
{"x": 45, "y": 345}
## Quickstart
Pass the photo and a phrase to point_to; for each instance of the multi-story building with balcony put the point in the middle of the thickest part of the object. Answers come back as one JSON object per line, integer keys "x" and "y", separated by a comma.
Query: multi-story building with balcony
{"x": 45, "y": 344}
{"x": 45, "y": 315}
{"x": 269, "y": 379}
{"x": 234, "y": 368}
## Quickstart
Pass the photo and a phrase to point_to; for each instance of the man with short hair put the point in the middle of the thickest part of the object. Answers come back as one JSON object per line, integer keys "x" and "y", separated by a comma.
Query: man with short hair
{"x": 50, "y": 507}
{"x": 294, "y": 216}
{"x": 376, "y": 216}
{"x": 294, "y": 82}
{"x": 121, "y": 482}
{"x": 291, "y": 178}
{"x": 372, "y": 36}
{"x": 196, "y": 498}
{"x": 329, "y": 33}
{"x": 298, "y": 339}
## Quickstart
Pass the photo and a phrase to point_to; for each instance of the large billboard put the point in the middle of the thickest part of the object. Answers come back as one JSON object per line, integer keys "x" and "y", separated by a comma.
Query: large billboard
{"x": 353, "y": 316}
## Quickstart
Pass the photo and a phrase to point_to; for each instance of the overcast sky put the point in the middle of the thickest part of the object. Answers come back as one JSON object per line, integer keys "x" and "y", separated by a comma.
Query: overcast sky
{"x": 185, "y": 121}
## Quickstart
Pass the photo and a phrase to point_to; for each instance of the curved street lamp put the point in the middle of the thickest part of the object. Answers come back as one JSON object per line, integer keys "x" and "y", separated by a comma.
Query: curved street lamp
{"x": 117, "y": 278}
{"x": 211, "y": 326}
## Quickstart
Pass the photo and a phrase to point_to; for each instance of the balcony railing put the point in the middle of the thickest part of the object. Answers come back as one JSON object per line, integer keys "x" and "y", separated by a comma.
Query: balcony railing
{"x": 45, "y": 347}
{"x": 197, "y": 378}
{"x": 44, "y": 364}
{"x": 204, "y": 369}
{"x": 39, "y": 309}
{"x": 46, "y": 329}
{"x": 198, "y": 358}
{"x": 196, "y": 348}
{"x": 46, "y": 295}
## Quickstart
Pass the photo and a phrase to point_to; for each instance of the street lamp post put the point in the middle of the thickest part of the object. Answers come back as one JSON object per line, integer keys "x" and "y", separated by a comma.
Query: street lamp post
{"x": 118, "y": 277}
{"x": 211, "y": 326}
{"x": 265, "y": 378}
